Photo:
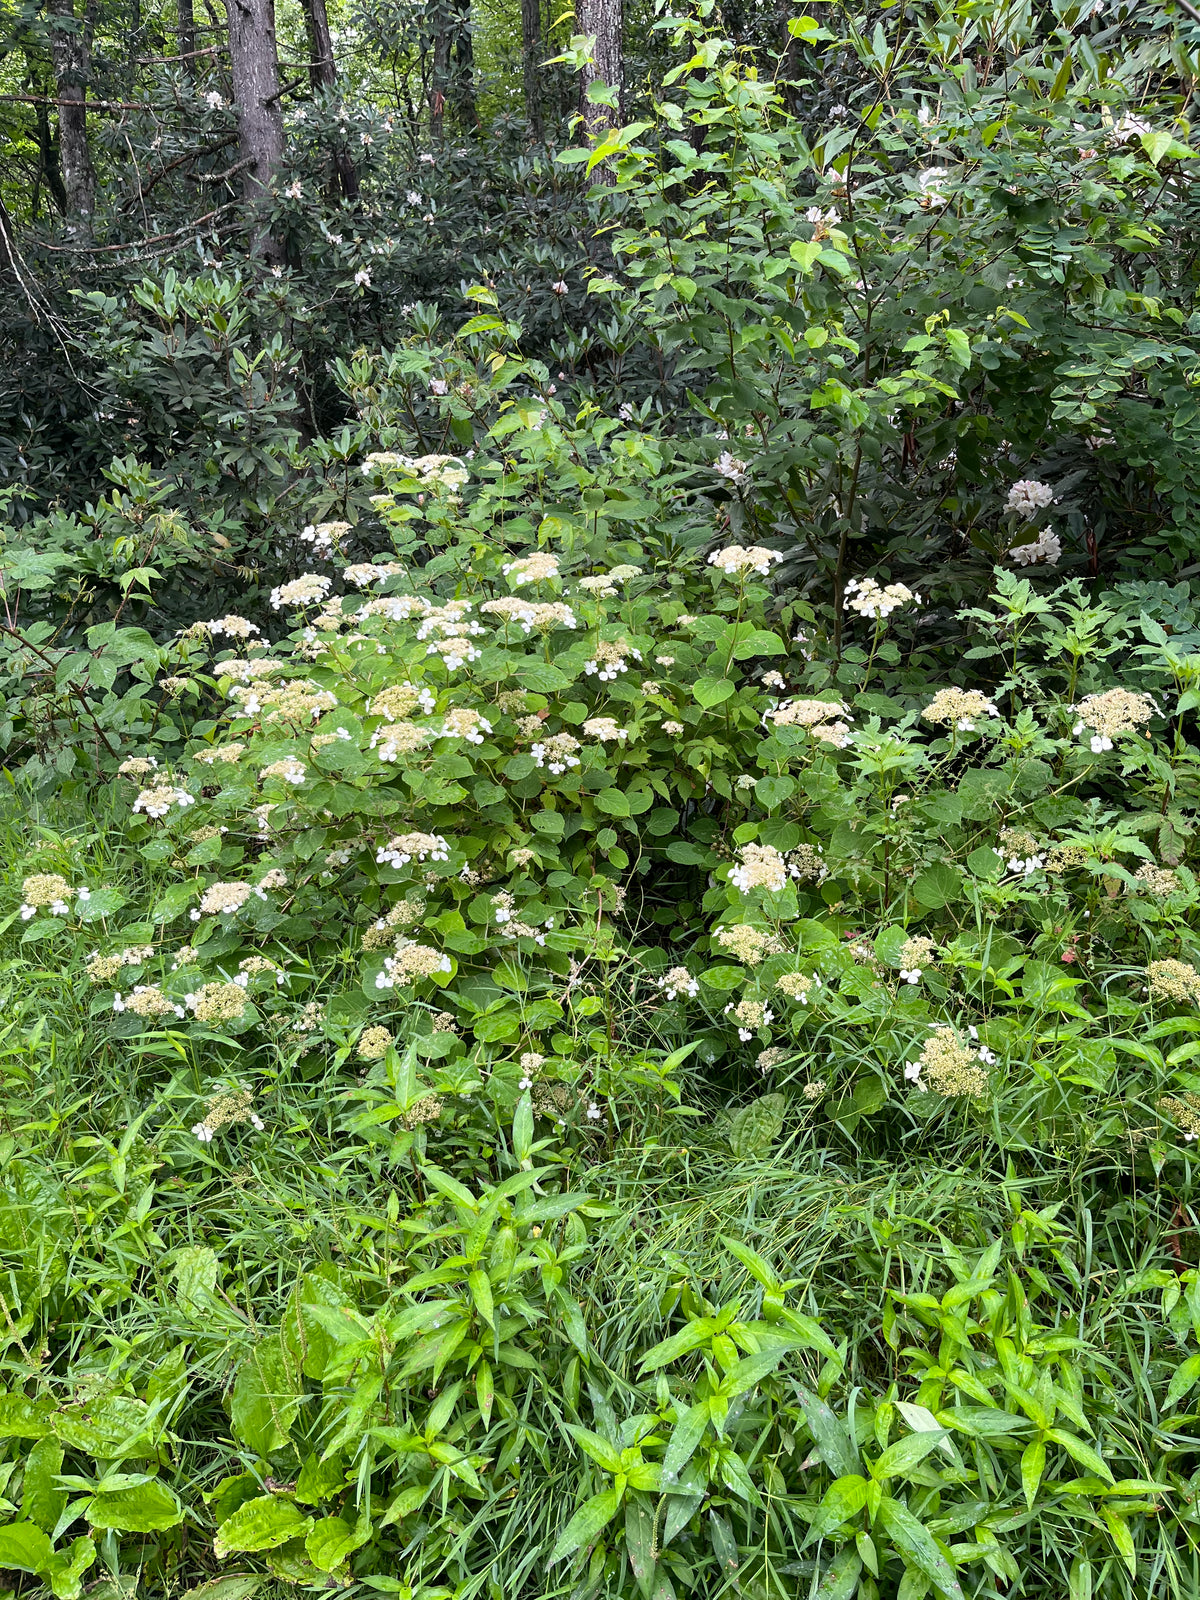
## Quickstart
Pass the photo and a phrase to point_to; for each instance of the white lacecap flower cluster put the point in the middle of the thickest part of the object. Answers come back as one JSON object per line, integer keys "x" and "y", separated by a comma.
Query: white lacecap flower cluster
{"x": 736, "y": 558}
{"x": 305, "y": 590}
{"x": 158, "y": 801}
{"x": 408, "y": 847}
{"x": 536, "y": 568}
{"x": 870, "y": 599}
{"x": 679, "y": 981}
{"x": 557, "y": 752}
{"x": 465, "y": 723}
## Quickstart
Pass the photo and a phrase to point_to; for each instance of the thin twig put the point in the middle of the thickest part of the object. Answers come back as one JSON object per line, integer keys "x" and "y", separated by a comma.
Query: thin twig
{"x": 138, "y": 244}
{"x": 192, "y": 155}
{"x": 220, "y": 177}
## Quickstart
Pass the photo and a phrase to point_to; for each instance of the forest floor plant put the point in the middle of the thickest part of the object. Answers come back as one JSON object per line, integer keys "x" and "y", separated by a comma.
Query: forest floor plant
{"x": 538, "y": 1093}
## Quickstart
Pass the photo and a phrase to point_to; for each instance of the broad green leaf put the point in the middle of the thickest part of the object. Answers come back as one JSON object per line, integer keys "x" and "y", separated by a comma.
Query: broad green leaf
{"x": 1081, "y": 1452}
{"x": 1183, "y": 1379}
{"x": 1033, "y": 1465}
{"x": 24, "y": 1547}
{"x": 260, "y": 1524}
{"x": 685, "y": 1436}
{"x": 1121, "y": 1538}
{"x": 829, "y": 1435}
{"x": 710, "y": 692}
{"x": 331, "y": 1539}
{"x": 755, "y": 1127}
{"x": 66, "y": 1568}
{"x": 905, "y": 1454}
{"x": 143, "y": 1509}
{"x": 590, "y": 1520}
{"x": 918, "y": 1547}
{"x": 42, "y": 1501}
{"x": 844, "y": 1498}
{"x": 607, "y": 1455}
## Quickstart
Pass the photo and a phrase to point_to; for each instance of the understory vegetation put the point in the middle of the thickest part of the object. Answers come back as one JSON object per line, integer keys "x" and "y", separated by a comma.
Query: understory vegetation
{"x": 598, "y": 921}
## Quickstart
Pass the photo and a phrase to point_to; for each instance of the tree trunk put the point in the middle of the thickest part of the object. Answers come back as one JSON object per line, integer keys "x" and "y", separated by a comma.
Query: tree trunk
{"x": 601, "y": 20}
{"x": 441, "y": 73}
{"x": 322, "y": 76}
{"x": 185, "y": 34}
{"x": 532, "y": 53}
{"x": 71, "y": 53}
{"x": 462, "y": 87}
{"x": 254, "y": 69}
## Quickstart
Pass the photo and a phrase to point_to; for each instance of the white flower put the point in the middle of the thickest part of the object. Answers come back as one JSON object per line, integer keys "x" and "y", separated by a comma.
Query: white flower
{"x": 294, "y": 191}
{"x": 1130, "y": 127}
{"x": 302, "y": 591}
{"x": 731, "y": 467}
{"x": 213, "y": 100}
{"x": 912, "y": 1071}
{"x": 736, "y": 558}
{"x": 560, "y": 287}
{"x": 1027, "y": 497}
{"x": 362, "y": 279}
{"x": 910, "y": 974}
{"x": 594, "y": 1112}
{"x": 867, "y": 598}
{"x": 932, "y": 182}
{"x": 1047, "y": 547}
{"x": 438, "y": 386}
{"x": 414, "y": 199}
{"x": 202, "y": 1132}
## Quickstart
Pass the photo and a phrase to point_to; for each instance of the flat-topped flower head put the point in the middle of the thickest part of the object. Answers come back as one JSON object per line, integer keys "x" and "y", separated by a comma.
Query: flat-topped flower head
{"x": 959, "y": 708}
{"x": 411, "y": 963}
{"x": 224, "y": 899}
{"x": 49, "y": 891}
{"x": 305, "y": 590}
{"x": 464, "y": 722}
{"x": 157, "y": 802}
{"x": 761, "y": 867}
{"x": 406, "y": 847}
{"x": 287, "y": 771}
{"x": 222, "y": 754}
{"x": 138, "y": 767}
{"x": 604, "y": 728}
{"x": 747, "y": 943}
{"x": 949, "y": 1067}
{"x": 750, "y": 1016}
{"x": 373, "y": 1044}
{"x": 612, "y": 657}
{"x": 1173, "y": 980}
{"x": 234, "y": 627}
{"x": 736, "y": 558}
{"x": 147, "y": 1001}
{"x": 540, "y": 567}
{"x": 869, "y": 599}
{"x": 806, "y": 713}
{"x": 1111, "y": 715}
{"x": 217, "y": 1002}
{"x": 361, "y": 573}
{"x": 556, "y": 752}
{"x": 399, "y": 700}
{"x": 399, "y": 739}
{"x": 798, "y": 985}
{"x": 679, "y": 981}
{"x": 531, "y": 616}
